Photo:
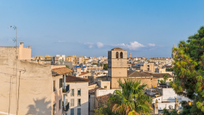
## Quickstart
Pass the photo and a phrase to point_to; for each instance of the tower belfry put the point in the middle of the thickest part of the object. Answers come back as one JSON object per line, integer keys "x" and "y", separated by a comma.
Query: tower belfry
{"x": 117, "y": 66}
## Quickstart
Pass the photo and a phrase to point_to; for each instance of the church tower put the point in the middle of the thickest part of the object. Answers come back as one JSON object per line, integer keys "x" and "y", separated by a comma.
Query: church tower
{"x": 130, "y": 55}
{"x": 117, "y": 66}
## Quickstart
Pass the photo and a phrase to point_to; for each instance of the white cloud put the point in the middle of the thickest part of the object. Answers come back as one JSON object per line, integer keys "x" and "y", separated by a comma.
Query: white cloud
{"x": 132, "y": 46}
{"x": 150, "y": 44}
{"x": 99, "y": 44}
{"x": 90, "y": 45}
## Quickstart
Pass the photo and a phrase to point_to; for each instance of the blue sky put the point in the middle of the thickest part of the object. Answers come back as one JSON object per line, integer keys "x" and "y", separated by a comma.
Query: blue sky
{"x": 92, "y": 27}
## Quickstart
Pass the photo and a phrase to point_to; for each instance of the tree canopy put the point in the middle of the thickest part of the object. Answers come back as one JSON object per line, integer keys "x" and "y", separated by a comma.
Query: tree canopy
{"x": 131, "y": 100}
{"x": 189, "y": 70}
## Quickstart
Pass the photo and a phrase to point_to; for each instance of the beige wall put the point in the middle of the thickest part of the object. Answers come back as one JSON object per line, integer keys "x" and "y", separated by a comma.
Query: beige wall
{"x": 57, "y": 95}
{"x": 74, "y": 59}
{"x": 104, "y": 84}
{"x": 94, "y": 68}
{"x": 117, "y": 67}
{"x": 151, "y": 82}
{"x": 35, "y": 91}
{"x": 148, "y": 67}
{"x": 24, "y": 53}
{"x": 84, "y": 97}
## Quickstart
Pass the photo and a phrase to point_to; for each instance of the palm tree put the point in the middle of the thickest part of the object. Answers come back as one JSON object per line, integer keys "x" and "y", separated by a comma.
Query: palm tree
{"x": 131, "y": 100}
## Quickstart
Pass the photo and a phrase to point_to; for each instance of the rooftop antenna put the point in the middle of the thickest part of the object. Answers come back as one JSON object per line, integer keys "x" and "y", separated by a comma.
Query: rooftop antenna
{"x": 15, "y": 40}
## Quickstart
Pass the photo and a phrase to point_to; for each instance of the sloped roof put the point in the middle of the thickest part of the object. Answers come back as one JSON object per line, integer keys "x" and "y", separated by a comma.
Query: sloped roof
{"x": 70, "y": 78}
{"x": 117, "y": 48}
{"x": 84, "y": 73}
{"x": 137, "y": 74}
{"x": 62, "y": 70}
{"x": 102, "y": 99}
{"x": 160, "y": 75}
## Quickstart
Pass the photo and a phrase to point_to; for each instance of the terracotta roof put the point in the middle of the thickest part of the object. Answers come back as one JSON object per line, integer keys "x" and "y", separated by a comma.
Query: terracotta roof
{"x": 102, "y": 99}
{"x": 70, "y": 78}
{"x": 160, "y": 75}
{"x": 62, "y": 70}
{"x": 137, "y": 74}
{"x": 83, "y": 73}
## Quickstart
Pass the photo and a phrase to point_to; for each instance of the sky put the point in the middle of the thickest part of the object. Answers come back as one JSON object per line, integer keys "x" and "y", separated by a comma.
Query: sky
{"x": 93, "y": 27}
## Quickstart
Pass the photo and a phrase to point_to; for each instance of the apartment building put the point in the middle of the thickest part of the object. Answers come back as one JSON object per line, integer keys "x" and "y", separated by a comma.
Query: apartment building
{"x": 28, "y": 87}
{"x": 74, "y": 59}
{"x": 77, "y": 95}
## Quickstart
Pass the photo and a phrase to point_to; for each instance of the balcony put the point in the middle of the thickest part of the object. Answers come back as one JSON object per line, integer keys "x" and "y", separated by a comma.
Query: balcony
{"x": 66, "y": 108}
{"x": 66, "y": 89}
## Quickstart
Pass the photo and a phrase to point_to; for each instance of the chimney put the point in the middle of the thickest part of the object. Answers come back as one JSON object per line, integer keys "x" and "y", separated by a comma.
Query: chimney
{"x": 21, "y": 43}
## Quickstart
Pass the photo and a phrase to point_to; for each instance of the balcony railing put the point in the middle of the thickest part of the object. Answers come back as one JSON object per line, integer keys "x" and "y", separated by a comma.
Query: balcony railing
{"x": 66, "y": 108}
{"x": 66, "y": 89}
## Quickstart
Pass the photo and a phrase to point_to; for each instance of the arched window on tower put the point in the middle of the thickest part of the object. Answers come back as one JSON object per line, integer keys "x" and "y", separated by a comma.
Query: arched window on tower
{"x": 121, "y": 54}
{"x": 116, "y": 54}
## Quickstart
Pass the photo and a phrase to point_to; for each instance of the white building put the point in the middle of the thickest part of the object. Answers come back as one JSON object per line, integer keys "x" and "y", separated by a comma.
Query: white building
{"x": 76, "y": 95}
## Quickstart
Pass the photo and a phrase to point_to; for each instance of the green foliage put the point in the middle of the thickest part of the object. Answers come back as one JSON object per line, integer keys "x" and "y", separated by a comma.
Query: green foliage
{"x": 104, "y": 110}
{"x": 170, "y": 84}
{"x": 95, "y": 64}
{"x": 167, "y": 112}
{"x": 166, "y": 77}
{"x": 189, "y": 70}
{"x": 170, "y": 69}
{"x": 161, "y": 81}
{"x": 131, "y": 100}
{"x": 87, "y": 71}
{"x": 105, "y": 66}
{"x": 67, "y": 66}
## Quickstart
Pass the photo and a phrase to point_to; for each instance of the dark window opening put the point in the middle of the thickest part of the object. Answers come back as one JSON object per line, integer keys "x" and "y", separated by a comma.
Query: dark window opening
{"x": 116, "y": 54}
{"x": 121, "y": 54}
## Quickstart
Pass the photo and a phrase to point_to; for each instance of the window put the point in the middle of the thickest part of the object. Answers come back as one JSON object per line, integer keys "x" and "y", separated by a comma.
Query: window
{"x": 78, "y": 111}
{"x": 54, "y": 109}
{"x": 72, "y": 111}
{"x": 105, "y": 86}
{"x": 60, "y": 104}
{"x": 121, "y": 54}
{"x": 54, "y": 89}
{"x": 79, "y": 102}
{"x": 116, "y": 54}
{"x": 72, "y": 94}
{"x": 72, "y": 102}
{"x": 60, "y": 83}
{"x": 79, "y": 92}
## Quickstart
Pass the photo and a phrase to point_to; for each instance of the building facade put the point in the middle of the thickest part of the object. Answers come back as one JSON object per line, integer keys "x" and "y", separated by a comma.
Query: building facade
{"x": 27, "y": 87}
{"x": 117, "y": 66}
{"x": 77, "y": 96}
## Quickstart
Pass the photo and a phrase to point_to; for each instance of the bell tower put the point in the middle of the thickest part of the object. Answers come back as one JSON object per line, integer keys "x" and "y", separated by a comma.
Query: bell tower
{"x": 117, "y": 66}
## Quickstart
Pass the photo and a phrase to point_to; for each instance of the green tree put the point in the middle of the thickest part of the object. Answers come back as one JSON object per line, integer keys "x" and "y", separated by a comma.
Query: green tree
{"x": 104, "y": 110}
{"x": 67, "y": 66}
{"x": 161, "y": 81}
{"x": 131, "y": 100}
{"x": 105, "y": 66}
{"x": 189, "y": 70}
{"x": 166, "y": 77}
